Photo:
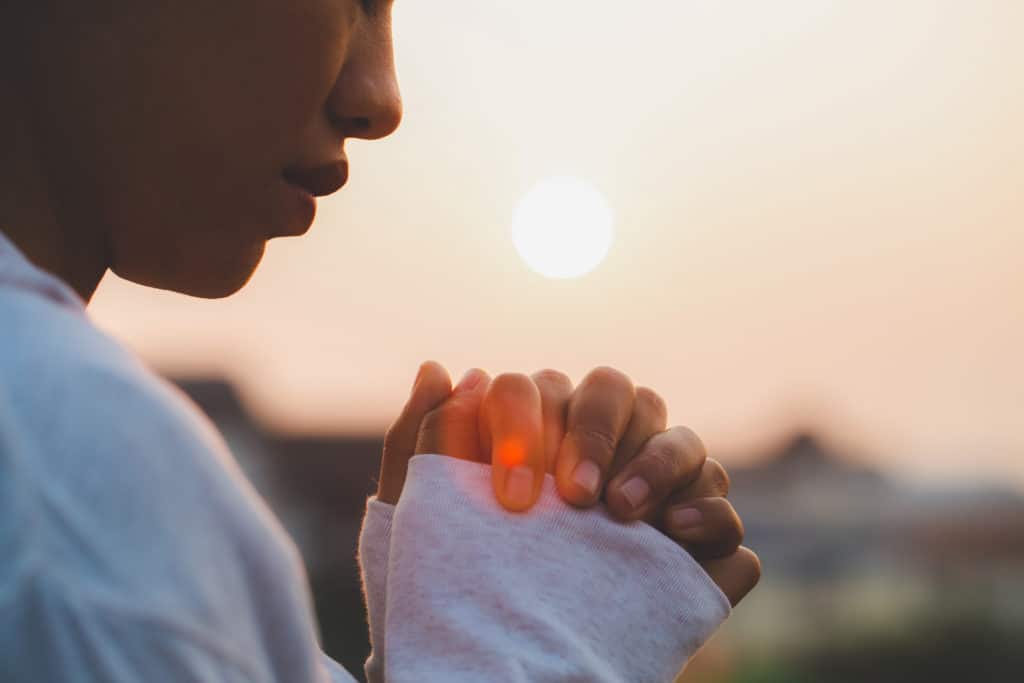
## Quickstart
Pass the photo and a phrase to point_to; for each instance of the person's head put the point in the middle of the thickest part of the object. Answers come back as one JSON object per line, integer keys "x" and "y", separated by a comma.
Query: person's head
{"x": 164, "y": 130}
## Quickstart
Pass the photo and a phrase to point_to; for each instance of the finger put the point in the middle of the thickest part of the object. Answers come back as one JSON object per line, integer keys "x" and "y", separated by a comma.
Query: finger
{"x": 667, "y": 462}
{"x": 735, "y": 575}
{"x": 432, "y": 386}
{"x": 453, "y": 428}
{"x": 512, "y": 430}
{"x": 713, "y": 482}
{"x": 650, "y": 417}
{"x": 555, "y": 391}
{"x": 708, "y": 528}
{"x": 599, "y": 411}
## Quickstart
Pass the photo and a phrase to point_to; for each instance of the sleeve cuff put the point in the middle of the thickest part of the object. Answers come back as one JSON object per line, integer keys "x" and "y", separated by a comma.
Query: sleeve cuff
{"x": 621, "y": 597}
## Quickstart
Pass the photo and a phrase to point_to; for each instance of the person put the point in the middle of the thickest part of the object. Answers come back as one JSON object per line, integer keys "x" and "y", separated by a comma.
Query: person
{"x": 168, "y": 141}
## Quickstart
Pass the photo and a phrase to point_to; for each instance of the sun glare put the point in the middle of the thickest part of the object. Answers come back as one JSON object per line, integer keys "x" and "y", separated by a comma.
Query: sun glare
{"x": 563, "y": 228}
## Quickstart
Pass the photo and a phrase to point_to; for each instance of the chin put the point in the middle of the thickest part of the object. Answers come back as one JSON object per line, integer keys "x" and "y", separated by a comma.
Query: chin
{"x": 207, "y": 279}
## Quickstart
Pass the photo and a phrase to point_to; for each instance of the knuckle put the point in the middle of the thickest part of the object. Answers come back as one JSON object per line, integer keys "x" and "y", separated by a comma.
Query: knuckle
{"x": 752, "y": 563}
{"x": 432, "y": 374}
{"x": 511, "y": 387}
{"x": 511, "y": 379}
{"x": 662, "y": 461}
{"x": 717, "y": 476}
{"x": 730, "y": 526}
{"x": 608, "y": 377}
{"x": 552, "y": 378}
{"x": 736, "y": 534}
{"x": 597, "y": 437}
{"x": 690, "y": 443}
{"x": 651, "y": 401}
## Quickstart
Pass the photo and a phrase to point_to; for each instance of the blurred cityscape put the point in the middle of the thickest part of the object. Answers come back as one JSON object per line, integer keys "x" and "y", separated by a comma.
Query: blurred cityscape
{"x": 866, "y": 578}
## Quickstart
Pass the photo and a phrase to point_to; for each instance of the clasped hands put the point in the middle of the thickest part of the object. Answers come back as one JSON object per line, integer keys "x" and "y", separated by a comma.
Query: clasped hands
{"x": 605, "y": 440}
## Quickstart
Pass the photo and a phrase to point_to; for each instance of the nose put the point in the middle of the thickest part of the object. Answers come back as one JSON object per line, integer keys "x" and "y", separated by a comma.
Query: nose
{"x": 365, "y": 101}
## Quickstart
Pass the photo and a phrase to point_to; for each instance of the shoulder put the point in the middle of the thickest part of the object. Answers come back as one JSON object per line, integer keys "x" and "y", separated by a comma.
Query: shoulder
{"x": 56, "y": 632}
{"x": 126, "y": 484}
{"x": 73, "y": 392}
{"x": 55, "y": 362}
{"x": 117, "y": 492}
{"x": 77, "y": 401}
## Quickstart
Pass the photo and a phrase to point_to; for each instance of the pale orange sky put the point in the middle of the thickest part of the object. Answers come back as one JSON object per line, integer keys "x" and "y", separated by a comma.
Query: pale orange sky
{"x": 820, "y": 216}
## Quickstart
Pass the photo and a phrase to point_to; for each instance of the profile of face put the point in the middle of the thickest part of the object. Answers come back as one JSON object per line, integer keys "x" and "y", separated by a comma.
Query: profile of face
{"x": 187, "y": 133}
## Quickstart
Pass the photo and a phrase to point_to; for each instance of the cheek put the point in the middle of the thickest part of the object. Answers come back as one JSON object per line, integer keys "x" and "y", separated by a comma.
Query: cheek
{"x": 190, "y": 145}
{"x": 171, "y": 138}
{"x": 204, "y": 238}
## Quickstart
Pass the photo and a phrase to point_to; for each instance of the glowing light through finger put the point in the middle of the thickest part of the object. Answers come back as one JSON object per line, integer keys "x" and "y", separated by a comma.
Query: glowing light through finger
{"x": 511, "y": 453}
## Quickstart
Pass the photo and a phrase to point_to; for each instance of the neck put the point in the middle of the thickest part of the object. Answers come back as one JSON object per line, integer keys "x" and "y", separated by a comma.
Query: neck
{"x": 45, "y": 249}
{"x": 31, "y": 214}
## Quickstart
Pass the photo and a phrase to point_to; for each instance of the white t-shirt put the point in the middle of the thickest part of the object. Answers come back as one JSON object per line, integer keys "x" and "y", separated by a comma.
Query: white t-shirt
{"x": 133, "y": 549}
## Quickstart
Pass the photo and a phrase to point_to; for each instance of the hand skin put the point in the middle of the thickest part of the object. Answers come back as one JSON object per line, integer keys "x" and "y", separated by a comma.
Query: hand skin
{"x": 526, "y": 426}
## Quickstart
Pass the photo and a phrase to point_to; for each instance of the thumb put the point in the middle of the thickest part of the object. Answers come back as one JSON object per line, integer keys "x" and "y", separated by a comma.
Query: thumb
{"x": 512, "y": 433}
{"x": 431, "y": 388}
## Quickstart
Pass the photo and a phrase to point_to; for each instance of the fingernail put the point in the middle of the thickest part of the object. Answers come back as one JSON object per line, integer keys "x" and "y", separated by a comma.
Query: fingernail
{"x": 587, "y": 476}
{"x": 686, "y": 518}
{"x": 636, "y": 491}
{"x": 519, "y": 486}
{"x": 469, "y": 380}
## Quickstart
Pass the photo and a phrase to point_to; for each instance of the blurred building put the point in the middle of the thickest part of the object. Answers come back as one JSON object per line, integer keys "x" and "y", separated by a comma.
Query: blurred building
{"x": 871, "y": 578}
{"x": 318, "y": 488}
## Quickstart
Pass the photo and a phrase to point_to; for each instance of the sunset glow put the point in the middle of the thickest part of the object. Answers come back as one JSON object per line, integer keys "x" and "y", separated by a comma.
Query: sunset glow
{"x": 806, "y": 232}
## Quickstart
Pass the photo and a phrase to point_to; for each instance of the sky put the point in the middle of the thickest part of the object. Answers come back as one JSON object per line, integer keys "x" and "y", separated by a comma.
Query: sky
{"x": 819, "y": 221}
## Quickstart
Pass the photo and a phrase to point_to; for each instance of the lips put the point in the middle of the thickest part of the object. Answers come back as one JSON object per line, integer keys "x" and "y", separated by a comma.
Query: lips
{"x": 321, "y": 180}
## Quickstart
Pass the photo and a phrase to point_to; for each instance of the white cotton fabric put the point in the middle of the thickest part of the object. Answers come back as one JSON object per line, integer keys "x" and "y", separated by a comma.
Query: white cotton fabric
{"x": 477, "y": 593}
{"x": 133, "y": 549}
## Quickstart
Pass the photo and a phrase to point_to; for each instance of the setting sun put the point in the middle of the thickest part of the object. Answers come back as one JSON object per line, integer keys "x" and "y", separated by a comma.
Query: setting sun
{"x": 562, "y": 228}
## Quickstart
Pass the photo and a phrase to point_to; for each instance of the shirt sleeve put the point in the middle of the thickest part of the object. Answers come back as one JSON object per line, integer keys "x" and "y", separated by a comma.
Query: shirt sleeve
{"x": 466, "y": 591}
{"x": 50, "y": 636}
